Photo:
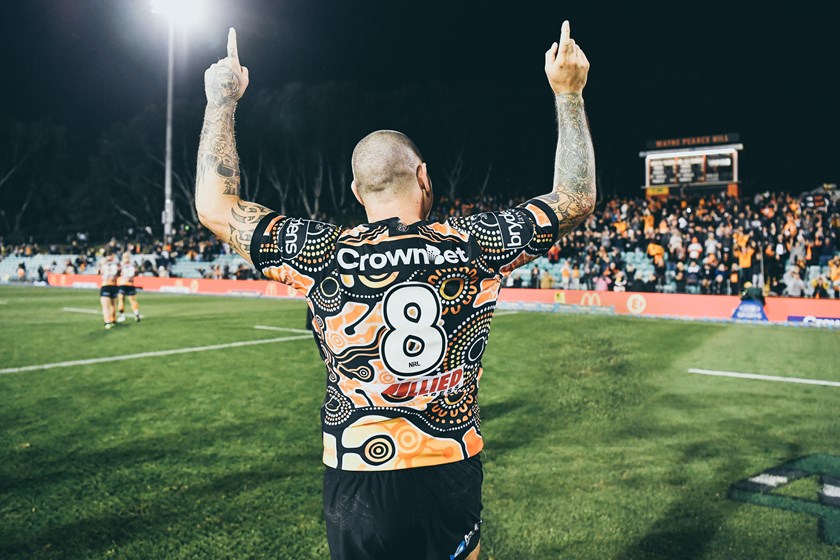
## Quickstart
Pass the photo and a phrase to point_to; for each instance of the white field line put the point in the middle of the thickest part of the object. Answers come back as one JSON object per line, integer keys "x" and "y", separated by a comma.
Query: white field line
{"x": 282, "y": 329}
{"x": 151, "y": 354}
{"x": 82, "y": 310}
{"x": 770, "y": 480}
{"x": 831, "y": 491}
{"x": 764, "y": 377}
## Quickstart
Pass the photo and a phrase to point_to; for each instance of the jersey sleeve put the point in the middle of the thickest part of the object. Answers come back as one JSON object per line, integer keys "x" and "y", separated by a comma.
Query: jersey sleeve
{"x": 292, "y": 250}
{"x": 514, "y": 237}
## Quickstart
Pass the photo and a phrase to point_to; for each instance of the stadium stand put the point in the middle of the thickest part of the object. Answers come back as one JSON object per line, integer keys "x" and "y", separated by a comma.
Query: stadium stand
{"x": 702, "y": 244}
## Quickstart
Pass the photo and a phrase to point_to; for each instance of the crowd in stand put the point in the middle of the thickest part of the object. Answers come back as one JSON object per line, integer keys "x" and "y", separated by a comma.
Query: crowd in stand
{"x": 155, "y": 257}
{"x": 702, "y": 244}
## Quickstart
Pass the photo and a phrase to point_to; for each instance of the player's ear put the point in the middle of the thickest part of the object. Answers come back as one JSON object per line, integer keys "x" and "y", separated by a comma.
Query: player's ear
{"x": 356, "y": 193}
{"x": 423, "y": 179}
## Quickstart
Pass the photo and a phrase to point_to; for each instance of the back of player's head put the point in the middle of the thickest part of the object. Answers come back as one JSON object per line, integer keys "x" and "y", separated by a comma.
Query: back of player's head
{"x": 385, "y": 160}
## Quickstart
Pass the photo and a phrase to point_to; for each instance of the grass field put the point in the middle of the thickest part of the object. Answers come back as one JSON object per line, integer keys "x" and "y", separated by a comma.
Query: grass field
{"x": 599, "y": 443}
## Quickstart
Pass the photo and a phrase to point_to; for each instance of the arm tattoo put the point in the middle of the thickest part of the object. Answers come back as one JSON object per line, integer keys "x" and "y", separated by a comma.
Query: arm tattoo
{"x": 249, "y": 213}
{"x": 218, "y": 161}
{"x": 573, "y": 195}
{"x": 217, "y": 173}
{"x": 240, "y": 239}
{"x": 246, "y": 216}
{"x": 223, "y": 87}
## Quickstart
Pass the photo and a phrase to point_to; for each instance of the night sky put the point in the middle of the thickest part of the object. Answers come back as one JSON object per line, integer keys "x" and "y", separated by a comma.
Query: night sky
{"x": 657, "y": 72}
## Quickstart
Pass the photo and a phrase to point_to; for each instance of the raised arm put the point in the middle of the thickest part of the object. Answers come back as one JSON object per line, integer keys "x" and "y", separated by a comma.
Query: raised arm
{"x": 573, "y": 195}
{"x": 217, "y": 201}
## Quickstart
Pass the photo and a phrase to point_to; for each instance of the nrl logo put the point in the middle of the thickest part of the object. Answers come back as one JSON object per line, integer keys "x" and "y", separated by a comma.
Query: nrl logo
{"x": 762, "y": 490}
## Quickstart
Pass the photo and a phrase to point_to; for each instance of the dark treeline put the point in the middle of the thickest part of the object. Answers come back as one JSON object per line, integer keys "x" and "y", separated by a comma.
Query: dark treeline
{"x": 294, "y": 146}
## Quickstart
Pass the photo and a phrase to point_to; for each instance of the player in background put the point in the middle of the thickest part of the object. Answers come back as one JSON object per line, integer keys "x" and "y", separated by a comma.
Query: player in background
{"x": 109, "y": 271}
{"x": 402, "y": 310}
{"x": 127, "y": 289}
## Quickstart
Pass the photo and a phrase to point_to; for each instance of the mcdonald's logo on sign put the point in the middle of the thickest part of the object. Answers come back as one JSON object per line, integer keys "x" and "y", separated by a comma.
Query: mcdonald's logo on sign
{"x": 271, "y": 289}
{"x": 591, "y": 299}
{"x": 194, "y": 286}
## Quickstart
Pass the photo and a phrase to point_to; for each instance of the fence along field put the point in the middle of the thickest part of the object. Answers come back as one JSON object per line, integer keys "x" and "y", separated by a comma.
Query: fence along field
{"x": 600, "y": 443}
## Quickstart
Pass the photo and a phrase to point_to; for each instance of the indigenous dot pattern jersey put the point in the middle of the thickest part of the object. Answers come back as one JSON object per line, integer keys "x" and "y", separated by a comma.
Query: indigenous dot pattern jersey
{"x": 108, "y": 272}
{"x": 401, "y": 315}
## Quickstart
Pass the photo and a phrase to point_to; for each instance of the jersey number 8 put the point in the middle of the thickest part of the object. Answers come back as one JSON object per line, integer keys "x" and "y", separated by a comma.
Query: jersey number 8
{"x": 414, "y": 343}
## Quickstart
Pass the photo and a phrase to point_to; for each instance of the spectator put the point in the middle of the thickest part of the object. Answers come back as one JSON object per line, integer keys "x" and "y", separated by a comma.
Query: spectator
{"x": 565, "y": 276}
{"x": 692, "y": 277}
{"x": 834, "y": 275}
{"x": 553, "y": 254}
{"x": 795, "y": 287}
{"x": 776, "y": 288}
{"x": 820, "y": 287}
{"x": 546, "y": 280}
{"x": 650, "y": 283}
{"x": 680, "y": 277}
{"x": 707, "y": 277}
{"x": 635, "y": 282}
{"x": 602, "y": 283}
{"x": 620, "y": 282}
{"x": 575, "y": 276}
{"x": 695, "y": 249}
{"x": 719, "y": 285}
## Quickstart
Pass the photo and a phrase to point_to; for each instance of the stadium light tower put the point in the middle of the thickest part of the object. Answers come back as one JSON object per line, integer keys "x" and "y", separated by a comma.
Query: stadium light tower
{"x": 179, "y": 12}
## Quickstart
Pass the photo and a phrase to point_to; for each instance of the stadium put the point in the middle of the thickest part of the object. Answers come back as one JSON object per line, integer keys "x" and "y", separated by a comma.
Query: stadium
{"x": 659, "y": 381}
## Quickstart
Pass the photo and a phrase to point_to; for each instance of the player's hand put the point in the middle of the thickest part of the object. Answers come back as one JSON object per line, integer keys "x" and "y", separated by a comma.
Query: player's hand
{"x": 565, "y": 64}
{"x": 225, "y": 81}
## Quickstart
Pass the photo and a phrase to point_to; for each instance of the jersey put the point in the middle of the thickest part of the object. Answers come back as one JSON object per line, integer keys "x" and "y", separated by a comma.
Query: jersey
{"x": 401, "y": 315}
{"x": 109, "y": 271}
{"x": 127, "y": 273}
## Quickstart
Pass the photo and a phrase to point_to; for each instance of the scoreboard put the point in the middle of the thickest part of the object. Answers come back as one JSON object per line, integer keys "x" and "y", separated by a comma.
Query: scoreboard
{"x": 691, "y": 167}
{"x": 710, "y": 160}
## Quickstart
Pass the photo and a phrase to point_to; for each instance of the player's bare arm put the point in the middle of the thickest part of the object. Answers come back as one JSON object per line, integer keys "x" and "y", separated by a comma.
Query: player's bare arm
{"x": 217, "y": 200}
{"x": 573, "y": 195}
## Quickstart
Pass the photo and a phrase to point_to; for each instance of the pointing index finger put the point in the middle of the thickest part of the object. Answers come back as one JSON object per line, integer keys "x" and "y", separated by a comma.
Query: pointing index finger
{"x": 232, "y": 50}
{"x": 565, "y": 33}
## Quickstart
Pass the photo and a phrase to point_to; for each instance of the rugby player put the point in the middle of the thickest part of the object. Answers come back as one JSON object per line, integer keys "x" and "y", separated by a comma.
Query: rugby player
{"x": 401, "y": 311}
{"x": 127, "y": 289}
{"x": 109, "y": 270}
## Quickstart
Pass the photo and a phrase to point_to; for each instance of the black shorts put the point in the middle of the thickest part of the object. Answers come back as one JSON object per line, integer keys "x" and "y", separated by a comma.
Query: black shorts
{"x": 426, "y": 513}
{"x": 128, "y": 290}
{"x": 108, "y": 291}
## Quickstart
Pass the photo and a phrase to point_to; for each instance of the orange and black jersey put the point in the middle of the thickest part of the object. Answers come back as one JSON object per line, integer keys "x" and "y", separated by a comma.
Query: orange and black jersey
{"x": 402, "y": 316}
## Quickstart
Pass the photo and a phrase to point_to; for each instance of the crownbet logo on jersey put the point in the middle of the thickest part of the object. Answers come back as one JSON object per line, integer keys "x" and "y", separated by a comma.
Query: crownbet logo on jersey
{"x": 351, "y": 259}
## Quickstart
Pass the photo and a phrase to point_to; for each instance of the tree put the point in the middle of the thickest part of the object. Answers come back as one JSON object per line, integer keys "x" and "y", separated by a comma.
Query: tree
{"x": 35, "y": 176}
